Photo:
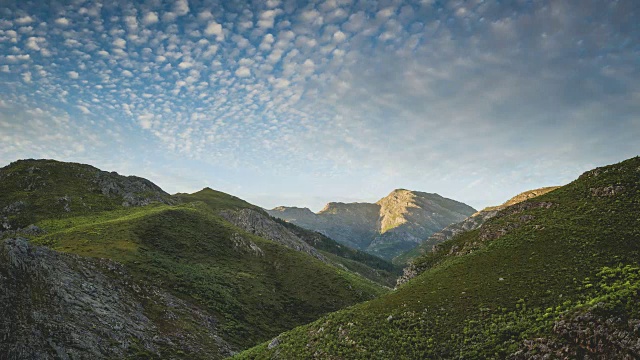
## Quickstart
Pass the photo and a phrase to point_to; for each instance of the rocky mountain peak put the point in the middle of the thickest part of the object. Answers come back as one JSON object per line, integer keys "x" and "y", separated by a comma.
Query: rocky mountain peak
{"x": 391, "y": 225}
{"x": 293, "y": 209}
{"x": 341, "y": 208}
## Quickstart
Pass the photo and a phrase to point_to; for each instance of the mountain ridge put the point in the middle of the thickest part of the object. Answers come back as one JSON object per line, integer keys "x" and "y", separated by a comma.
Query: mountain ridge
{"x": 472, "y": 222}
{"x": 390, "y": 226}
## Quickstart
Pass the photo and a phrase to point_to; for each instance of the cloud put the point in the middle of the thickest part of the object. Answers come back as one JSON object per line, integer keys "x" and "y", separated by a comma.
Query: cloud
{"x": 73, "y": 74}
{"x": 146, "y": 121}
{"x": 33, "y": 43}
{"x": 339, "y": 36}
{"x": 243, "y": 72}
{"x": 181, "y": 7}
{"x": 213, "y": 28}
{"x": 119, "y": 43}
{"x": 280, "y": 83}
{"x": 150, "y": 18}
{"x": 24, "y": 20}
{"x": 267, "y": 18}
{"x": 62, "y": 21}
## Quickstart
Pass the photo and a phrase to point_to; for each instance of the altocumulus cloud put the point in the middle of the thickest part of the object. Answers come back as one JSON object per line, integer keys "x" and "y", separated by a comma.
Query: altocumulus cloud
{"x": 476, "y": 100}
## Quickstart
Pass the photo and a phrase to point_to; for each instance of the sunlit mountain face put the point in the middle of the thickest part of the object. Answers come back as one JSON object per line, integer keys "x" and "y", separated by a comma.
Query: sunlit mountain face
{"x": 298, "y": 103}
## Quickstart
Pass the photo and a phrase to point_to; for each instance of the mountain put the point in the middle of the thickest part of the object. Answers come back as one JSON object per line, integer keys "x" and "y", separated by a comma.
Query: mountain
{"x": 95, "y": 264}
{"x": 555, "y": 276}
{"x": 472, "y": 222}
{"x": 393, "y": 225}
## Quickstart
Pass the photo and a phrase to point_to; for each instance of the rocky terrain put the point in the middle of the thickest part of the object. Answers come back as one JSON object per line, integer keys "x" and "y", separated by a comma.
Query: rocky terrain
{"x": 262, "y": 225}
{"x": 394, "y": 224}
{"x": 36, "y": 189}
{"x": 62, "y": 306}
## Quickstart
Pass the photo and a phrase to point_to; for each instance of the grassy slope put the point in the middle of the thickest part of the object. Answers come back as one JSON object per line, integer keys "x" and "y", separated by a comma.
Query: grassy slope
{"x": 186, "y": 249}
{"x": 367, "y": 265}
{"x": 42, "y": 185}
{"x": 581, "y": 251}
{"x": 428, "y": 243}
{"x": 190, "y": 251}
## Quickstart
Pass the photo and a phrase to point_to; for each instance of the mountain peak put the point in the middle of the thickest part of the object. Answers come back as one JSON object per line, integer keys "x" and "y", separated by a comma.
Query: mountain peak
{"x": 292, "y": 209}
{"x": 412, "y": 215}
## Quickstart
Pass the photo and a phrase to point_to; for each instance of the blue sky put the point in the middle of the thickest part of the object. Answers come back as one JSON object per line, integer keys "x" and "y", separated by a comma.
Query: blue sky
{"x": 301, "y": 103}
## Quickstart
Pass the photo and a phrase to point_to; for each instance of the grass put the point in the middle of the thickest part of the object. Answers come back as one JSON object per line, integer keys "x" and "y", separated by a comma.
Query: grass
{"x": 190, "y": 251}
{"x": 482, "y": 297}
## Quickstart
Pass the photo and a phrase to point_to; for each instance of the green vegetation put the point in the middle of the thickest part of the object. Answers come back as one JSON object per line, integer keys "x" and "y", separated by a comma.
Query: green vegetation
{"x": 191, "y": 252}
{"x": 35, "y": 190}
{"x": 254, "y": 288}
{"x": 367, "y": 265}
{"x": 485, "y": 293}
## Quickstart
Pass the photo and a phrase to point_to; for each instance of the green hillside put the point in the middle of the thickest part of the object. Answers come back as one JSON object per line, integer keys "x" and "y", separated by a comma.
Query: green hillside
{"x": 367, "y": 265}
{"x": 32, "y": 190}
{"x": 252, "y": 287}
{"x": 554, "y": 276}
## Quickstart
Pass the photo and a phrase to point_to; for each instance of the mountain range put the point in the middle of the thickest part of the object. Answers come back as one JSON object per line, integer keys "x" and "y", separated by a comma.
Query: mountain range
{"x": 98, "y": 265}
{"x": 387, "y": 228}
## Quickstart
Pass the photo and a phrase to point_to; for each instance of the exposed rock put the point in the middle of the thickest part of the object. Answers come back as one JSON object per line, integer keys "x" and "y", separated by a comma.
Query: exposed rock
{"x": 586, "y": 336}
{"x": 63, "y": 306}
{"x": 133, "y": 190}
{"x": 274, "y": 343}
{"x": 14, "y": 208}
{"x": 244, "y": 245}
{"x": 607, "y": 191}
{"x": 262, "y": 225}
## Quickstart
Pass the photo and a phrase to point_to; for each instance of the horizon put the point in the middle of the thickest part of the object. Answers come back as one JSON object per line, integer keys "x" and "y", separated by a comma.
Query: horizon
{"x": 316, "y": 210}
{"x": 285, "y": 103}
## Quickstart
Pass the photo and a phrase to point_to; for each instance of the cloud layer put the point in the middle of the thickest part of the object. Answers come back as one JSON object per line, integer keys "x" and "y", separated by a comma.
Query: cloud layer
{"x": 472, "y": 99}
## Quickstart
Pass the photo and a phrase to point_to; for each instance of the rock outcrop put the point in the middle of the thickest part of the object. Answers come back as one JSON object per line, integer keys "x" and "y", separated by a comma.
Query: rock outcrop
{"x": 264, "y": 226}
{"x": 33, "y": 189}
{"x": 62, "y": 306}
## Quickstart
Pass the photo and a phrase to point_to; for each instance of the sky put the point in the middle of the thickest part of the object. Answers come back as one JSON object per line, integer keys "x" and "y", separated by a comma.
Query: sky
{"x": 300, "y": 103}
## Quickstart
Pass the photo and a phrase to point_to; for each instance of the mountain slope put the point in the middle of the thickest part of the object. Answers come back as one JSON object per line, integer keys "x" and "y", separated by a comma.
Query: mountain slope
{"x": 255, "y": 220}
{"x": 36, "y": 189}
{"x": 472, "y": 222}
{"x": 387, "y": 228}
{"x": 51, "y": 299}
{"x": 556, "y": 276}
{"x": 188, "y": 248}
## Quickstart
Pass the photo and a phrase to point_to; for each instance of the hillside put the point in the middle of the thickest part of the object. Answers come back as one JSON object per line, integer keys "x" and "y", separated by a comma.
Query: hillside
{"x": 471, "y": 223}
{"x": 554, "y": 276}
{"x": 189, "y": 276}
{"x": 391, "y": 226}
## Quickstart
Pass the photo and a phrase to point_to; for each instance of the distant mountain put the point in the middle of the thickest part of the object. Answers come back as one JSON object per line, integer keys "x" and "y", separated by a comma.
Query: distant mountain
{"x": 98, "y": 265}
{"x": 471, "y": 223}
{"x": 555, "y": 276}
{"x": 393, "y": 225}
